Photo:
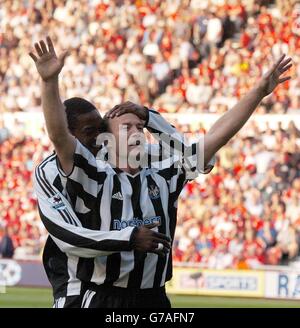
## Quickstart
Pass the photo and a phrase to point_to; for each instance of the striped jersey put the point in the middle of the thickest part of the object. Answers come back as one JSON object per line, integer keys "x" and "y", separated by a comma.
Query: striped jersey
{"x": 106, "y": 205}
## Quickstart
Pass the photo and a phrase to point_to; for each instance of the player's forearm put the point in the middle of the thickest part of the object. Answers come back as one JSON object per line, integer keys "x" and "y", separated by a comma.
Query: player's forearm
{"x": 54, "y": 112}
{"x": 231, "y": 122}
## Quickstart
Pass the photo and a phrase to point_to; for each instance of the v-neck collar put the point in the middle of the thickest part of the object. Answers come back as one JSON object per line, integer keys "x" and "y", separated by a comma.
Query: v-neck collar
{"x": 118, "y": 171}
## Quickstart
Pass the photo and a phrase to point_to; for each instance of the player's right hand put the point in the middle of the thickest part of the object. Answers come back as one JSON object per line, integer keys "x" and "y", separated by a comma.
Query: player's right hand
{"x": 46, "y": 60}
{"x": 146, "y": 240}
{"x": 128, "y": 107}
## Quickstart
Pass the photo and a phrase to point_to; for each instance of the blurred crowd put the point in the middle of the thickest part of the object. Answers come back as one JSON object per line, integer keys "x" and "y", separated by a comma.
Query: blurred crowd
{"x": 179, "y": 56}
{"x": 19, "y": 218}
{"x": 246, "y": 212}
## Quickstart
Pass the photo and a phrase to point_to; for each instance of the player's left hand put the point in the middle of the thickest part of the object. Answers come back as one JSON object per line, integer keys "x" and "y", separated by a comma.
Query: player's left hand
{"x": 274, "y": 76}
{"x": 128, "y": 107}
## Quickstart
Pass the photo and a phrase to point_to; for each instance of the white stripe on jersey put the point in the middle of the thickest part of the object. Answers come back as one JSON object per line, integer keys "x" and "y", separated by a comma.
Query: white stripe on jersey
{"x": 74, "y": 284}
{"x": 80, "y": 207}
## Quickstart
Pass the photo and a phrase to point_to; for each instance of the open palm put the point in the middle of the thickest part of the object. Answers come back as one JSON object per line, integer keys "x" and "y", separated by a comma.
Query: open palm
{"x": 273, "y": 77}
{"x": 46, "y": 60}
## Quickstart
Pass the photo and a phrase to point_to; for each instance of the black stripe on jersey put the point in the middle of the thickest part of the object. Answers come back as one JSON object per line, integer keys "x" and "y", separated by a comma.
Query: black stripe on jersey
{"x": 71, "y": 194}
{"x": 172, "y": 211}
{"x": 136, "y": 275}
{"x": 159, "y": 211}
{"x": 194, "y": 147}
{"x": 168, "y": 172}
{"x": 113, "y": 262}
{"x": 74, "y": 188}
{"x": 56, "y": 267}
{"x": 90, "y": 220}
{"x": 89, "y": 170}
{"x": 57, "y": 183}
{"x": 83, "y": 242}
{"x": 85, "y": 269}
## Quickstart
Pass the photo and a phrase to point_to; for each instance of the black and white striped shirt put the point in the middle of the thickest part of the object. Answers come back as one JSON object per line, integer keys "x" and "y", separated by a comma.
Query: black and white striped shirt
{"x": 108, "y": 204}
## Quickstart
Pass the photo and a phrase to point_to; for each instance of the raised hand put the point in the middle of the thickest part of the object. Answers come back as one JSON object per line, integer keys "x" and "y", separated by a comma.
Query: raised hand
{"x": 128, "y": 107}
{"x": 46, "y": 60}
{"x": 146, "y": 240}
{"x": 273, "y": 77}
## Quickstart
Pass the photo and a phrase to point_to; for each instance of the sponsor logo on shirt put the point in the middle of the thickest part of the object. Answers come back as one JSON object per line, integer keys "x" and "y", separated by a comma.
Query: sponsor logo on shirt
{"x": 135, "y": 222}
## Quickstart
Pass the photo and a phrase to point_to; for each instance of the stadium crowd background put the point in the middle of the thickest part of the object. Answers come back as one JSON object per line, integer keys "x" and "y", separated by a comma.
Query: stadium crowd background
{"x": 188, "y": 56}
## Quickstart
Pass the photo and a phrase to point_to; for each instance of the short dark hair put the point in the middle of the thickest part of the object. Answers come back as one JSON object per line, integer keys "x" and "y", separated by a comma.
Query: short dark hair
{"x": 74, "y": 107}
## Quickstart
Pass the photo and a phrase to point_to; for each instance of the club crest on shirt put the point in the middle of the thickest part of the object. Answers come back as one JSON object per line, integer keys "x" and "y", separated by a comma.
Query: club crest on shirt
{"x": 57, "y": 202}
{"x": 153, "y": 192}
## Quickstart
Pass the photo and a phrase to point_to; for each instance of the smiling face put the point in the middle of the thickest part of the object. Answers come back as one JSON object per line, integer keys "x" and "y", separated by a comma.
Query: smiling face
{"x": 128, "y": 130}
{"x": 87, "y": 128}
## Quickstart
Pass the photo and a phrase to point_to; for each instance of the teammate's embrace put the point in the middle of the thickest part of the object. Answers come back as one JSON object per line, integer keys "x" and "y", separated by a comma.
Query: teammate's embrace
{"x": 76, "y": 230}
{"x": 121, "y": 193}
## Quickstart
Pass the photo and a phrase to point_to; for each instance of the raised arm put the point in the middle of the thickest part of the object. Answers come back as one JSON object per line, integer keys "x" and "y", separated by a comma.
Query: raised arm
{"x": 231, "y": 122}
{"x": 49, "y": 66}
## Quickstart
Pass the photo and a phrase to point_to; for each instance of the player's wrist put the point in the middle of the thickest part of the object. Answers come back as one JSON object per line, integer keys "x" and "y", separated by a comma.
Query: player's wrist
{"x": 260, "y": 90}
{"x": 50, "y": 80}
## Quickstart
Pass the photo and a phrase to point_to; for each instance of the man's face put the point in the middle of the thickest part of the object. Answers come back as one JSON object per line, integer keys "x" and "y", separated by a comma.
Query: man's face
{"x": 129, "y": 135}
{"x": 88, "y": 127}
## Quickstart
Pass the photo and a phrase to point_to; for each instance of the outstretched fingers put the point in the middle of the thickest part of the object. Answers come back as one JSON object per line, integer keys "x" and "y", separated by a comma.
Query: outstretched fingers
{"x": 281, "y": 66}
{"x": 111, "y": 113}
{"x": 33, "y": 56}
{"x": 284, "y": 79}
{"x": 50, "y": 44}
{"x": 285, "y": 62}
{"x": 43, "y": 46}
{"x": 285, "y": 68}
{"x": 279, "y": 61}
{"x": 38, "y": 49}
{"x": 276, "y": 66}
